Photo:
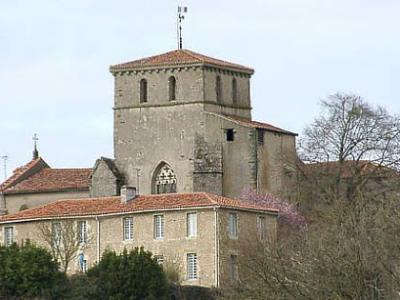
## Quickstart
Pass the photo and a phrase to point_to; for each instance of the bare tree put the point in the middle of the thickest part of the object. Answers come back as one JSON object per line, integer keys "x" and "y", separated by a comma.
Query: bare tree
{"x": 64, "y": 239}
{"x": 348, "y": 192}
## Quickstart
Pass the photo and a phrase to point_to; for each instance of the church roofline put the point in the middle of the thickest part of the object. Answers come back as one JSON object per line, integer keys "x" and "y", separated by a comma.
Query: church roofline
{"x": 179, "y": 58}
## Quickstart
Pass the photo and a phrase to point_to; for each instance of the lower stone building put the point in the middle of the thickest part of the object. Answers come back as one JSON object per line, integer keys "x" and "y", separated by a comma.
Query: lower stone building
{"x": 199, "y": 232}
{"x": 36, "y": 183}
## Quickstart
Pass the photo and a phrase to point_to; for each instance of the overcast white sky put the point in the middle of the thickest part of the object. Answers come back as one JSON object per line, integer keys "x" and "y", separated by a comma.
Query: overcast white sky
{"x": 55, "y": 54}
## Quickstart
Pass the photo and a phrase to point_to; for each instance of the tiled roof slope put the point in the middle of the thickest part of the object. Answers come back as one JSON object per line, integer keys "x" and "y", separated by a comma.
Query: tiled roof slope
{"x": 255, "y": 124}
{"x": 53, "y": 180}
{"x": 112, "y": 205}
{"x": 23, "y": 172}
{"x": 178, "y": 58}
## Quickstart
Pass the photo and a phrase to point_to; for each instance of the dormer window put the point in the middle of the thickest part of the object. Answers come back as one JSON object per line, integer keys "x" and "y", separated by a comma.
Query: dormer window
{"x": 143, "y": 91}
{"x": 218, "y": 89}
{"x": 234, "y": 91}
{"x": 172, "y": 88}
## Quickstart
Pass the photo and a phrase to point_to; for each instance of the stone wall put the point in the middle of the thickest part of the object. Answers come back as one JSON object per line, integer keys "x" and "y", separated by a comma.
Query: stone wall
{"x": 103, "y": 181}
{"x": 213, "y": 248}
{"x": 14, "y": 202}
{"x": 240, "y": 246}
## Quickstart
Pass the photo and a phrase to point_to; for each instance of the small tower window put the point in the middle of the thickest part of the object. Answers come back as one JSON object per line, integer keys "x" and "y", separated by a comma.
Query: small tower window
{"x": 172, "y": 88}
{"x": 230, "y": 135}
{"x": 218, "y": 89}
{"x": 234, "y": 91}
{"x": 143, "y": 90}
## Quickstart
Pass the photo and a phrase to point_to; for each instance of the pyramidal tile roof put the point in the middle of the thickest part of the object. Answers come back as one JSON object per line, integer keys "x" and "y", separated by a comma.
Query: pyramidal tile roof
{"x": 181, "y": 57}
{"x": 113, "y": 205}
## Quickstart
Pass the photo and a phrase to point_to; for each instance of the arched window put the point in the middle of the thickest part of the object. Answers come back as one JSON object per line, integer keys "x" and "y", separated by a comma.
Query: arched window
{"x": 218, "y": 89}
{"x": 172, "y": 88}
{"x": 234, "y": 91}
{"x": 143, "y": 90}
{"x": 164, "y": 180}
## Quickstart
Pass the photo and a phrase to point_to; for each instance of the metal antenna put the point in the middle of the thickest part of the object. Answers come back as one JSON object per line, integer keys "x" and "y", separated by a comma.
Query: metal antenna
{"x": 35, "y": 151}
{"x": 182, "y": 10}
{"x": 5, "y": 158}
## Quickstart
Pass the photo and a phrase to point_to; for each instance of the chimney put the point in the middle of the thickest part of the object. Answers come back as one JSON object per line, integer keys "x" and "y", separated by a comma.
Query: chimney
{"x": 127, "y": 193}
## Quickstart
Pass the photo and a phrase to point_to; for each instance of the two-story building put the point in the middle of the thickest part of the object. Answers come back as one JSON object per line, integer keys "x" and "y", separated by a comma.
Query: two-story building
{"x": 200, "y": 232}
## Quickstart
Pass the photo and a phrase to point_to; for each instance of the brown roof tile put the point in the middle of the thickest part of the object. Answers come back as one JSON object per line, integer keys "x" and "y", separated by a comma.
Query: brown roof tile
{"x": 255, "y": 124}
{"x": 177, "y": 58}
{"x": 22, "y": 172}
{"x": 112, "y": 205}
{"x": 53, "y": 180}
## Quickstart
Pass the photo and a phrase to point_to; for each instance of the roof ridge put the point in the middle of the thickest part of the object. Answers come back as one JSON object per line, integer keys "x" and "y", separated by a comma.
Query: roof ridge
{"x": 193, "y": 54}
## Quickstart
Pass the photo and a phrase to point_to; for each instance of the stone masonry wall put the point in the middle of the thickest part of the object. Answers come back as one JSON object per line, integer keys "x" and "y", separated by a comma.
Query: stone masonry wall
{"x": 239, "y": 246}
{"x": 104, "y": 182}
{"x": 174, "y": 246}
{"x": 15, "y": 201}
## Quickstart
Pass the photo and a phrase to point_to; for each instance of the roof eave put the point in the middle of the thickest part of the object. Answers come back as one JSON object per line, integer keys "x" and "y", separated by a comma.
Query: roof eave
{"x": 121, "y": 68}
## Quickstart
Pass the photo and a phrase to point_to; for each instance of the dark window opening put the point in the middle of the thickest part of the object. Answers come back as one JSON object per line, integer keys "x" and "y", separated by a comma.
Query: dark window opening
{"x": 218, "y": 89}
{"x": 260, "y": 136}
{"x": 143, "y": 90}
{"x": 230, "y": 135}
{"x": 172, "y": 88}
{"x": 234, "y": 90}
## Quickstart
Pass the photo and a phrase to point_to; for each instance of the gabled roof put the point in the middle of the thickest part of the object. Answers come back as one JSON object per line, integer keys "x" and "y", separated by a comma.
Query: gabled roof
{"x": 259, "y": 125}
{"x": 110, "y": 163}
{"x": 113, "y": 205}
{"x": 179, "y": 58}
{"x": 53, "y": 180}
{"x": 23, "y": 172}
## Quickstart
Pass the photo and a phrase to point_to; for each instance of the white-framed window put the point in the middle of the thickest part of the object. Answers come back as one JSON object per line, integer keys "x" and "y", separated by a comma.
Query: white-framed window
{"x": 191, "y": 224}
{"x": 233, "y": 267}
{"x": 128, "y": 228}
{"x": 262, "y": 227}
{"x": 233, "y": 225}
{"x": 82, "y": 232}
{"x": 159, "y": 226}
{"x": 56, "y": 233}
{"x": 191, "y": 266}
{"x": 159, "y": 259}
{"x": 8, "y": 235}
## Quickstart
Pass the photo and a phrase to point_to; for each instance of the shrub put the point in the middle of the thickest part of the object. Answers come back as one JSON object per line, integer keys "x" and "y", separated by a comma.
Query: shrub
{"x": 129, "y": 275}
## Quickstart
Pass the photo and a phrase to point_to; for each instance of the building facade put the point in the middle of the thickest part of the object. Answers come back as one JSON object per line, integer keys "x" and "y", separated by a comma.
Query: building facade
{"x": 201, "y": 233}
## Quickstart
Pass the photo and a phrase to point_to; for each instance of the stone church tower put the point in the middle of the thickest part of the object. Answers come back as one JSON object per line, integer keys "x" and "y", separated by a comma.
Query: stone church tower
{"x": 182, "y": 123}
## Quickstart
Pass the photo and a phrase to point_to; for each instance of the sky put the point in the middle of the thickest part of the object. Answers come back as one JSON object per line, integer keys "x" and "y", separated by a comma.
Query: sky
{"x": 55, "y": 55}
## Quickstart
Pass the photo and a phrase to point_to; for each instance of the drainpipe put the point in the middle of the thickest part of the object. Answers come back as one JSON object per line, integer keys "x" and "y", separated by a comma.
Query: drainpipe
{"x": 98, "y": 239}
{"x": 3, "y": 209}
{"x": 216, "y": 247}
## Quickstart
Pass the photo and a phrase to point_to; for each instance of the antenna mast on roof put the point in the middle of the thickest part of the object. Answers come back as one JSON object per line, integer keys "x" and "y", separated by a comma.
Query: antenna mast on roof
{"x": 5, "y": 158}
{"x": 35, "y": 150}
{"x": 182, "y": 10}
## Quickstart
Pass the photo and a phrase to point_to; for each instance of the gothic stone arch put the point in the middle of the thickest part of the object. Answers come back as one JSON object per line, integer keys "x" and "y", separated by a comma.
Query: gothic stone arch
{"x": 164, "y": 179}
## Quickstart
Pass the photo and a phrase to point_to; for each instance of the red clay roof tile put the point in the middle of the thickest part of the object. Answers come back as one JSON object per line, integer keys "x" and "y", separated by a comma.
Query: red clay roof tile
{"x": 112, "y": 205}
{"x": 255, "y": 124}
{"x": 53, "y": 180}
{"x": 19, "y": 173}
{"x": 176, "y": 58}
